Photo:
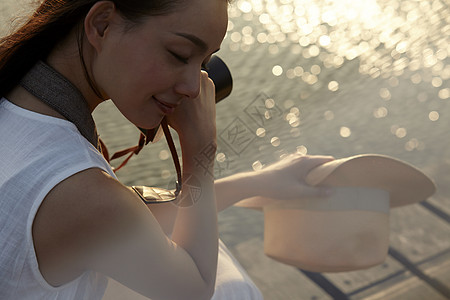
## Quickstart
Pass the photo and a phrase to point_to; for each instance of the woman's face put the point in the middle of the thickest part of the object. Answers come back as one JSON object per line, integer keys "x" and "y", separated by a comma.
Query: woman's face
{"x": 148, "y": 70}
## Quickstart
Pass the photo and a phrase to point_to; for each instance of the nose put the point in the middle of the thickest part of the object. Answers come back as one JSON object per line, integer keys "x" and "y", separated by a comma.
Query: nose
{"x": 189, "y": 83}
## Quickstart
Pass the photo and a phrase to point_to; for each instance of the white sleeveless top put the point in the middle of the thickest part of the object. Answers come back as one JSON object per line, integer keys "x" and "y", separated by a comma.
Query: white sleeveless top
{"x": 36, "y": 153}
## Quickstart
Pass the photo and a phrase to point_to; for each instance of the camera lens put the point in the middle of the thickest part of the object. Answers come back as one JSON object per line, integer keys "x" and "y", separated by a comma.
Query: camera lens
{"x": 221, "y": 76}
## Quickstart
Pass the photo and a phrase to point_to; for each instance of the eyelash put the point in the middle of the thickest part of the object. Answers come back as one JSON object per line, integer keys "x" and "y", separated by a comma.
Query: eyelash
{"x": 179, "y": 58}
{"x": 184, "y": 60}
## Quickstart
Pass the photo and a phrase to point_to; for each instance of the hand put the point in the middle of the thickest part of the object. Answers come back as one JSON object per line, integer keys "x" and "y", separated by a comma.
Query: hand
{"x": 195, "y": 119}
{"x": 285, "y": 180}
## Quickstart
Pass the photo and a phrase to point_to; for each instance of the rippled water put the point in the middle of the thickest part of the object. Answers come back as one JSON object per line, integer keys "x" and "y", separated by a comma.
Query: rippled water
{"x": 348, "y": 77}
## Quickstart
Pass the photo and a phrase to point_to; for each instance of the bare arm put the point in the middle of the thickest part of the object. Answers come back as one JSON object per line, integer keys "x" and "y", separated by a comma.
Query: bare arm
{"x": 282, "y": 180}
{"x": 91, "y": 221}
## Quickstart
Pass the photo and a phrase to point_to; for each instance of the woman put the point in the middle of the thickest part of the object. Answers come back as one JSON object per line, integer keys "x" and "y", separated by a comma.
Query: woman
{"x": 66, "y": 220}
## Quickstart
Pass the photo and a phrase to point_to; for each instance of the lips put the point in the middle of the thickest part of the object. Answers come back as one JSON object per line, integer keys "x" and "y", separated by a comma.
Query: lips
{"x": 165, "y": 107}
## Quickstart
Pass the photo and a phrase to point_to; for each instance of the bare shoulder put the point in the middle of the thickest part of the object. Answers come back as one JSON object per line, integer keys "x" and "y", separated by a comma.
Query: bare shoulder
{"x": 78, "y": 217}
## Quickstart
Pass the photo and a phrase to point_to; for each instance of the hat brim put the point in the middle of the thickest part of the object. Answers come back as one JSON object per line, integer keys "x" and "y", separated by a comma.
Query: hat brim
{"x": 405, "y": 183}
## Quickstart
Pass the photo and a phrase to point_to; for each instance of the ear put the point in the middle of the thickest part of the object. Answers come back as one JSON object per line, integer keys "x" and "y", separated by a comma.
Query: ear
{"x": 98, "y": 21}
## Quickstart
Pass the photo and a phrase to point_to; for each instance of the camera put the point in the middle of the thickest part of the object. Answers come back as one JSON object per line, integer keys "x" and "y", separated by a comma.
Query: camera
{"x": 221, "y": 76}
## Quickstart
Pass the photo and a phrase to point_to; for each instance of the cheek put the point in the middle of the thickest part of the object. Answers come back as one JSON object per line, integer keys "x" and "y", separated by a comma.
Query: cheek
{"x": 152, "y": 78}
{"x": 115, "y": 76}
{"x": 107, "y": 71}
{"x": 131, "y": 71}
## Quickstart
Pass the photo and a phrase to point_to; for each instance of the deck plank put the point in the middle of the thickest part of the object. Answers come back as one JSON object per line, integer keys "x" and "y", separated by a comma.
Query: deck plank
{"x": 410, "y": 288}
{"x": 275, "y": 280}
{"x": 350, "y": 282}
{"x": 417, "y": 233}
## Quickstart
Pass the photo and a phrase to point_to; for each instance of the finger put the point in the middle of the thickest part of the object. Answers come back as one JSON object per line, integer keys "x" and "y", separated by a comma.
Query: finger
{"x": 320, "y": 160}
{"x": 311, "y": 158}
{"x": 310, "y": 162}
{"x": 323, "y": 158}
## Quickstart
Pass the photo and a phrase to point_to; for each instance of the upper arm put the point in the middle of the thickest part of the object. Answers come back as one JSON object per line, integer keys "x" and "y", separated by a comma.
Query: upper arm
{"x": 92, "y": 222}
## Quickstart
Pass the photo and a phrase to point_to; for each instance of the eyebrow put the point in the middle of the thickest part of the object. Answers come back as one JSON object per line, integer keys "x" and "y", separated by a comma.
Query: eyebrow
{"x": 194, "y": 39}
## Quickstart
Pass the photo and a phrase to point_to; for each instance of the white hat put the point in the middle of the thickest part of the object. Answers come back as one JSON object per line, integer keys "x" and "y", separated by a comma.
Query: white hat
{"x": 348, "y": 230}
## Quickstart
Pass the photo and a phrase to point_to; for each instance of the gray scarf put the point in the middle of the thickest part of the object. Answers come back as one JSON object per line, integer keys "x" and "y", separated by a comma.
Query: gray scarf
{"x": 49, "y": 86}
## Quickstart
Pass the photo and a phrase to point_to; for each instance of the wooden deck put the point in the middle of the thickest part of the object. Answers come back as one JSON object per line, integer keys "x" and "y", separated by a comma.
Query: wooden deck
{"x": 405, "y": 274}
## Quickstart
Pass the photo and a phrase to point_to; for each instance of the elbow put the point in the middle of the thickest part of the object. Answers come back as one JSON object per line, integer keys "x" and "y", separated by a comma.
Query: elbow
{"x": 206, "y": 292}
{"x": 209, "y": 292}
{"x": 202, "y": 295}
{"x": 189, "y": 295}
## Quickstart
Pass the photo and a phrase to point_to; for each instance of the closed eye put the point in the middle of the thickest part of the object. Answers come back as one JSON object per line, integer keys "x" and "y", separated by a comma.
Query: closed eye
{"x": 179, "y": 57}
{"x": 186, "y": 60}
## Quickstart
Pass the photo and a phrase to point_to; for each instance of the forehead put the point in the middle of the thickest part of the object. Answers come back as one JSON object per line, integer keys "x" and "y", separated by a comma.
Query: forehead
{"x": 205, "y": 19}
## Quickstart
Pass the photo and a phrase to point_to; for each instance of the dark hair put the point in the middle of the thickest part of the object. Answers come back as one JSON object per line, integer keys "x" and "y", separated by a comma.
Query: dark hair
{"x": 51, "y": 23}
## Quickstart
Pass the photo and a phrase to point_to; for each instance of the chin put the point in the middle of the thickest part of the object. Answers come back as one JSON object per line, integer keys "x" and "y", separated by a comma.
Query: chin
{"x": 145, "y": 120}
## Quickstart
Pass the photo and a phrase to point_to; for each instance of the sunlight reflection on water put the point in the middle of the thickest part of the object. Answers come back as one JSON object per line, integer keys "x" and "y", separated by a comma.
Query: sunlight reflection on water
{"x": 412, "y": 34}
{"x": 388, "y": 38}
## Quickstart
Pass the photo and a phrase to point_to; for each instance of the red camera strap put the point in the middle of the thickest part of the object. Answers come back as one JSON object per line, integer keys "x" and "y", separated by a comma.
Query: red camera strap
{"x": 142, "y": 142}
